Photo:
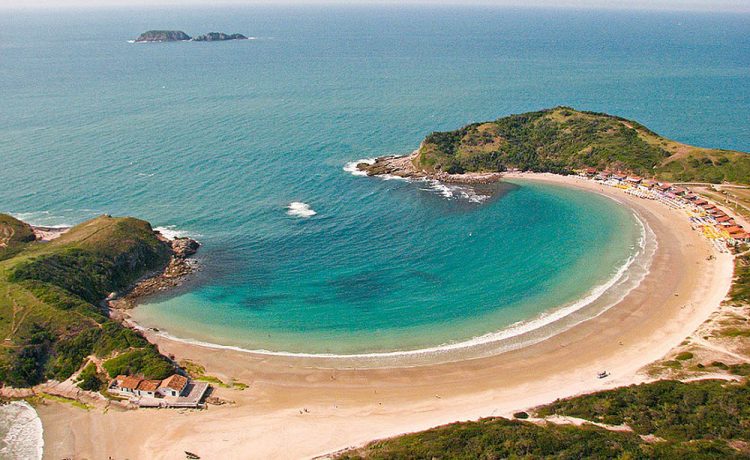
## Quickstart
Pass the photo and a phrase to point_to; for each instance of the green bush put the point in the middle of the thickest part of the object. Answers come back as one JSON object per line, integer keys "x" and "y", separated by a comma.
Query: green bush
{"x": 89, "y": 379}
{"x": 669, "y": 409}
{"x": 146, "y": 362}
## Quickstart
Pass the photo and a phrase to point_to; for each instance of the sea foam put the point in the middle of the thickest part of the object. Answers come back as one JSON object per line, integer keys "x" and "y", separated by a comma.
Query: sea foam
{"x": 171, "y": 232}
{"x": 351, "y": 167}
{"x": 21, "y": 432}
{"x": 447, "y": 191}
{"x": 300, "y": 209}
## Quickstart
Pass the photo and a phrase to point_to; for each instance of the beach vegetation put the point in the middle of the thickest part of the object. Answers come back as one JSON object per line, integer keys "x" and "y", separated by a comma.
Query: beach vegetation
{"x": 562, "y": 140}
{"x": 669, "y": 420}
{"x": 684, "y": 356}
{"x": 740, "y": 291}
{"x": 144, "y": 361}
{"x": 672, "y": 410}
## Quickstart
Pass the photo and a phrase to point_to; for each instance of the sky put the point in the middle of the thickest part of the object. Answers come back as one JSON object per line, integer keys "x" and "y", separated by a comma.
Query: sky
{"x": 679, "y": 5}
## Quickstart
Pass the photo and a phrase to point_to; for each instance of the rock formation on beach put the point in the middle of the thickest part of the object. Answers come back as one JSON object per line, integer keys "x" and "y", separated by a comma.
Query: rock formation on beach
{"x": 162, "y": 36}
{"x": 218, "y": 36}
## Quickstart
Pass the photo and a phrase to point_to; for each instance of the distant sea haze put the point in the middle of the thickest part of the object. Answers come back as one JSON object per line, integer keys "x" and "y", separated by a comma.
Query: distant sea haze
{"x": 244, "y": 144}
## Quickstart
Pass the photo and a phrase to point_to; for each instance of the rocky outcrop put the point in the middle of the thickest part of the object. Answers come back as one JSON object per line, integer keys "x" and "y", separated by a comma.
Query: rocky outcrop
{"x": 162, "y": 36}
{"x": 184, "y": 247}
{"x": 403, "y": 166}
{"x": 180, "y": 266}
{"x": 218, "y": 36}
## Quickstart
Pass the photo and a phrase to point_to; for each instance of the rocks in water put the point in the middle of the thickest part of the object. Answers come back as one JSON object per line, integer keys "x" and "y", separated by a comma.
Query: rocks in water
{"x": 403, "y": 166}
{"x": 184, "y": 247}
{"x": 162, "y": 36}
{"x": 218, "y": 36}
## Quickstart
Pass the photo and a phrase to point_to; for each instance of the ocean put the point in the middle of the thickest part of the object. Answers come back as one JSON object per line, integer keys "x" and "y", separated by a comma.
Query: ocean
{"x": 246, "y": 146}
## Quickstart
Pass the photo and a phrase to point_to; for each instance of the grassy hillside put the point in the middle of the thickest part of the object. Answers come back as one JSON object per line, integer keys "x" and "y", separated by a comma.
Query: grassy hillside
{"x": 50, "y": 318}
{"x": 563, "y": 139}
{"x": 14, "y": 234}
{"x": 707, "y": 420}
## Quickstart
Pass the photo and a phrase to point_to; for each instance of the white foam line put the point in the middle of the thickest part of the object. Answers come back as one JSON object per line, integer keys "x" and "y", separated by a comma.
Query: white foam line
{"x": 351, "y": 167}
{"x": 511, "y": 331}
{"x": 24, "y": 438}
{"x": 445, "y": 190}
{"x": 171, "y": 232}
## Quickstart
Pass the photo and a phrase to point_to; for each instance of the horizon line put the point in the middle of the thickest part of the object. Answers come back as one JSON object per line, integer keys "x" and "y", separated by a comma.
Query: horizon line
{"x": 587, "y": 5}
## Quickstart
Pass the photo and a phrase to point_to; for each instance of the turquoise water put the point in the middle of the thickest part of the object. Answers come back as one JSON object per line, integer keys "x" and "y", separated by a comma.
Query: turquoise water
{"x": 217, "y": 139}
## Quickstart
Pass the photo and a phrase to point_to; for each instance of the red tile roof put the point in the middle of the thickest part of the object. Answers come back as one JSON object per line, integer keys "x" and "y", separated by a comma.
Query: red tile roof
{"x": 130, "y": 382}
{"x": 149, "y": 385}
{"x": 175, "y": 382}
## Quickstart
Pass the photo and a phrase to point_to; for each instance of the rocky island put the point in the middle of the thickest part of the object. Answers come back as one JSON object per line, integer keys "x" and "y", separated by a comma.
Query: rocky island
{"x": 160, "y": 36}
{"x": 560, "y": 140}
{"x": 218, "y": 36}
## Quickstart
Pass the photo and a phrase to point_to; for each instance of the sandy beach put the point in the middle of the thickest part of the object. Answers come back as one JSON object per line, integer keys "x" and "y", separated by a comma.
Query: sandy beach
{"x": 305, "y": 407}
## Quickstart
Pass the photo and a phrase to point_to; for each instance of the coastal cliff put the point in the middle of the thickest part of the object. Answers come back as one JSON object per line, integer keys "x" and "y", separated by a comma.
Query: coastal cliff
{"x": 561, "y": 140}
{"x": 51, "y": 311}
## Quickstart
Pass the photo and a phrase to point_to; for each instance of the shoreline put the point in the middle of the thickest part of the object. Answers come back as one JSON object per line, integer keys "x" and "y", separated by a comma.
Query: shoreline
{"x": 349, "y": 407}
{"x": 403, "y": 167}
{"x": 519, "y": 334}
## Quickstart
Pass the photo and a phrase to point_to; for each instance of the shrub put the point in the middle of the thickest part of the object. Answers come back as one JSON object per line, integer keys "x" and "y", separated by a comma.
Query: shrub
{"x": 146, "y": 362}
{"x": 89, "y": 379}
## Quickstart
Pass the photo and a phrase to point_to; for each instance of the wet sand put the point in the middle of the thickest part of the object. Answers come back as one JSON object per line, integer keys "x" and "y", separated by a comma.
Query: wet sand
{"x": 349, "y": 407}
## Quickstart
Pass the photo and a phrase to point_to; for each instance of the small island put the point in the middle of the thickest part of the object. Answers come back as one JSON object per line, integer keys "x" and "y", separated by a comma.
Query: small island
{"x": 218, "y": 36}
{"x": 161, "y": 36}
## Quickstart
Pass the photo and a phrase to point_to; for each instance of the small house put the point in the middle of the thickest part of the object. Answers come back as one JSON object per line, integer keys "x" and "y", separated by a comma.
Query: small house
{"x": 148, "y": 388}
{"x": 173, "y": 386}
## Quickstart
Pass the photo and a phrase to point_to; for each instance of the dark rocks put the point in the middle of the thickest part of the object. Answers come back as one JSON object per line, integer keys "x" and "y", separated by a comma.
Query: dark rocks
{"x": 218, "y": 36}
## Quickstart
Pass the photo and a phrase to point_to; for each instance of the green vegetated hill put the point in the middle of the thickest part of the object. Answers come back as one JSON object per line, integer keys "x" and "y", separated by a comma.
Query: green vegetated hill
{"x": 13, "y": 236}
{"x": 563, "y": 139}
{"x": 669, "y": 420}
{"x": 50, "y": 294}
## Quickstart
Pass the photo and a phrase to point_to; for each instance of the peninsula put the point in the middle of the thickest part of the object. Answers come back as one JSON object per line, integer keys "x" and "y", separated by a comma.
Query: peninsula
{"x": 561, "y": 140}
{"x": 158, "y": 36}
{"x": 52, "y": 312}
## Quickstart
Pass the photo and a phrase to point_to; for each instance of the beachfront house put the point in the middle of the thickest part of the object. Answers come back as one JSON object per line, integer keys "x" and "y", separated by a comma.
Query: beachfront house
{"x": 125, "y": 385}
{"x": 173, "y": 386}
{"x": 148, "y": 388}
{"x": 635, "y": 180}
{"x": 174, "y": 391}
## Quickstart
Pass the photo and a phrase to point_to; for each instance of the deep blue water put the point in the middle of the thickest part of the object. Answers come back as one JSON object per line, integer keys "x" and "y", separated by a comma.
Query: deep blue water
{"x": 217, "y": 139}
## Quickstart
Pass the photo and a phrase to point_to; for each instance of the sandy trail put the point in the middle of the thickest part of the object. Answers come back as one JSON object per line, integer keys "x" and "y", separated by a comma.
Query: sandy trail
{"x": 347, "y": 407}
